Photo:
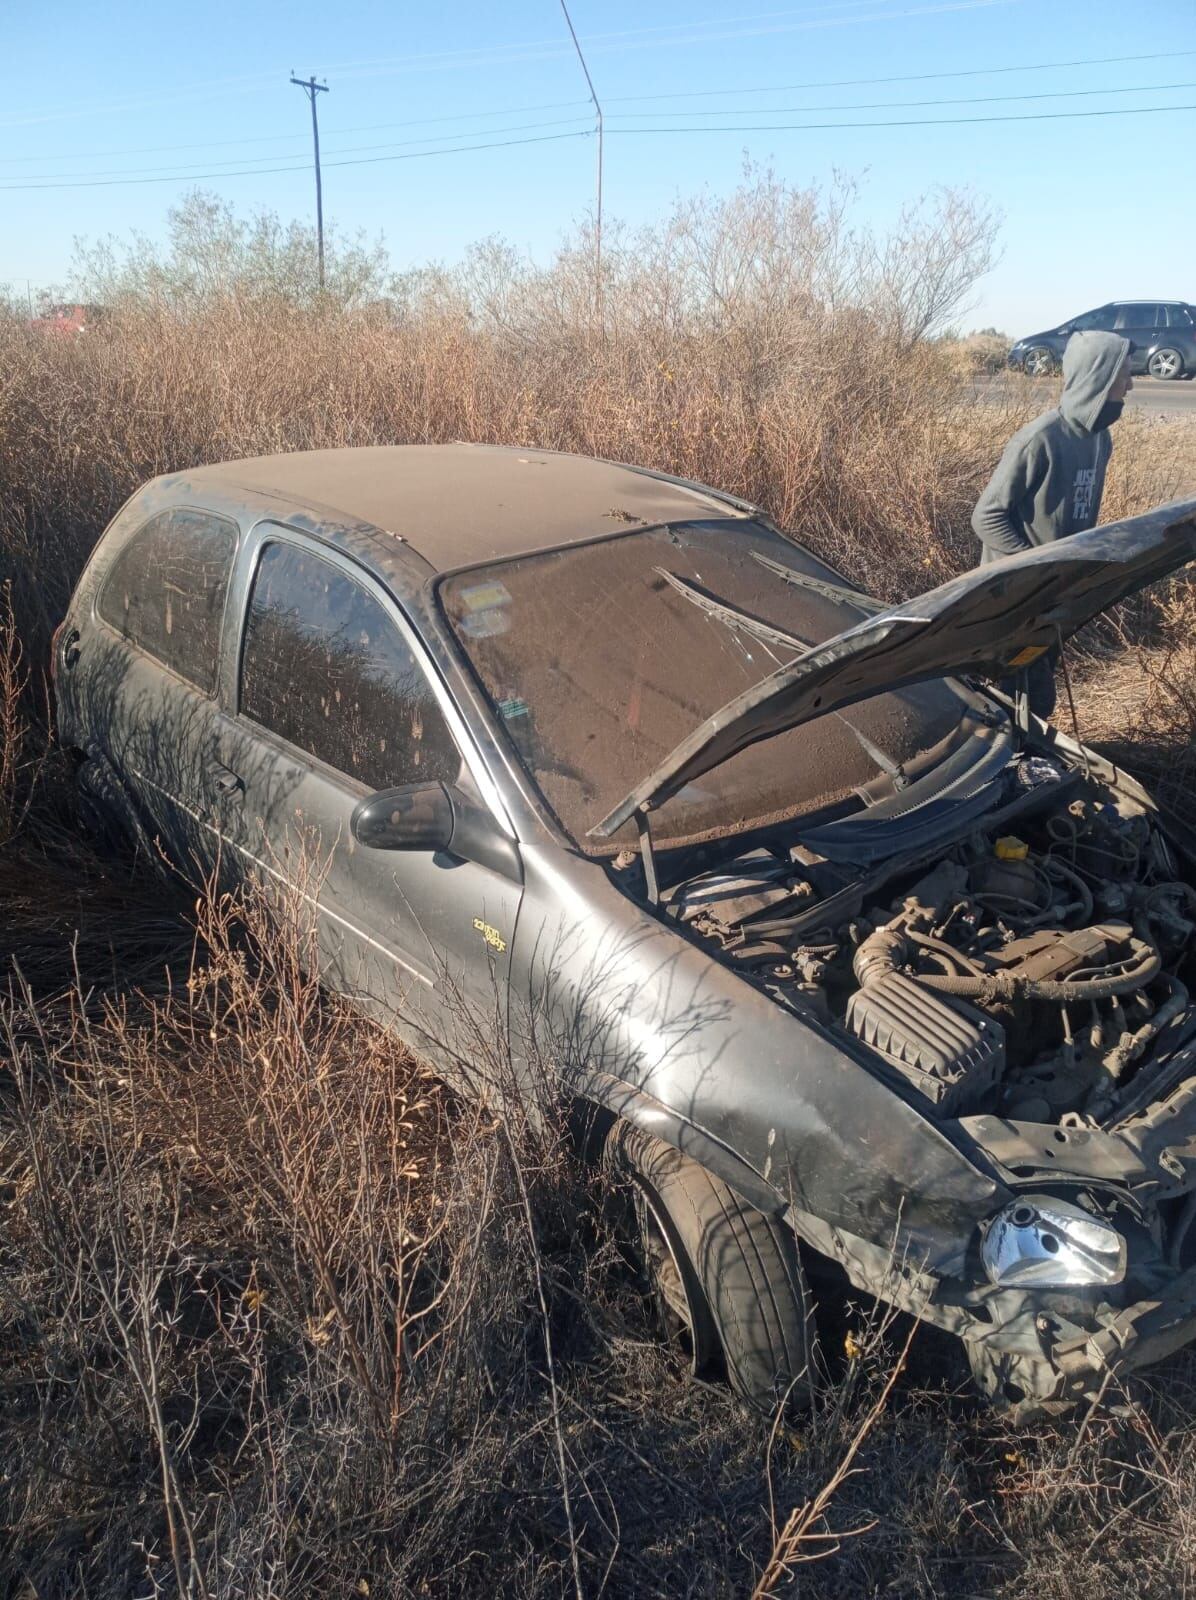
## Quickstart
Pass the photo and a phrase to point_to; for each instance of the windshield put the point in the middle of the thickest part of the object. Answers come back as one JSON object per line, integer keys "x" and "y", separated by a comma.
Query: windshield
{"x": 600, "y": 658}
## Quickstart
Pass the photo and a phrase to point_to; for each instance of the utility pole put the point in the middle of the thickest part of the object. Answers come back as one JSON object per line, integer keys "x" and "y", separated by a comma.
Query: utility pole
{"x": 598, "y": 208}
{"x": 311, "y": 89}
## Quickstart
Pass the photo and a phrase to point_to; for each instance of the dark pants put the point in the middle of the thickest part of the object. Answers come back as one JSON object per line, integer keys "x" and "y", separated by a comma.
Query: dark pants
{"x": 1039, "y": 683}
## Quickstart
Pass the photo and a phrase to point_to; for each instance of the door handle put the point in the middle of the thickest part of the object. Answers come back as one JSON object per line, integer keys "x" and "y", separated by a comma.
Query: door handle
{"x": 225, "y": 781}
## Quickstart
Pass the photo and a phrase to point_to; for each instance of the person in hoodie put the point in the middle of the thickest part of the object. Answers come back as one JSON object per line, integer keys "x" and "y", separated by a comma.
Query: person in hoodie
{"x": 1049, "y": 482}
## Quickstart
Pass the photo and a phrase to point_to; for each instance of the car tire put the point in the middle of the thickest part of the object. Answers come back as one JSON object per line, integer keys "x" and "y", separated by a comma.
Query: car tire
{"x": 1039, "y": 361}
{"x": 726, "y": 1278}
{"x": 1166, "y": 364}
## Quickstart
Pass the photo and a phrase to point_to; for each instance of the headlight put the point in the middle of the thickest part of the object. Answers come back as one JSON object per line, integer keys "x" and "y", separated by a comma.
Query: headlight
{"x": 1050, "y": 1244}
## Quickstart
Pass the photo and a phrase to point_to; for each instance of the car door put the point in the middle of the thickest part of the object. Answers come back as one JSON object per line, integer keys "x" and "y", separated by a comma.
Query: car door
{"x": 334, "y": 700}
{"x": 1139, "y": 322}
{"x": 147, "y": 667}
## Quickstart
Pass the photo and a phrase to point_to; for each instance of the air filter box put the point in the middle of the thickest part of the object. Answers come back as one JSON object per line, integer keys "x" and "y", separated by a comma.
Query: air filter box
{"x": 951, "y": 1054}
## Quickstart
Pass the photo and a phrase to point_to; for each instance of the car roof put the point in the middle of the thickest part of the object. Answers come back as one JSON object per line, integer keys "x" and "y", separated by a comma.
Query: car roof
{"x": 457, "y": 504}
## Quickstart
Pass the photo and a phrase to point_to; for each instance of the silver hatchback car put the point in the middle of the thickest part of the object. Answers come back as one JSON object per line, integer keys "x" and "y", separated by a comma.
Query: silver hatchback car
{"x": 840, "y": 954}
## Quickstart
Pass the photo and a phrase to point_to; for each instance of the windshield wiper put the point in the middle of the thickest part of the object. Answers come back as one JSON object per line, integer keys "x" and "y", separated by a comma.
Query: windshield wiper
{"x": 832, "y": 591}
{"x": 732, "y": 615}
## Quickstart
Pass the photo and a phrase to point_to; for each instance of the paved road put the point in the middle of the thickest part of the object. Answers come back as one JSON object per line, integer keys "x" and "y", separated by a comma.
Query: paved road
{"x": 1175, "y": 399}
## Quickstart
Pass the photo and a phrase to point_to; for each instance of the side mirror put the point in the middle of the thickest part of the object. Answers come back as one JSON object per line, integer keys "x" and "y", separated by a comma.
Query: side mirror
{"x": 436, "y": 817}
{"x": 415, "y": 816}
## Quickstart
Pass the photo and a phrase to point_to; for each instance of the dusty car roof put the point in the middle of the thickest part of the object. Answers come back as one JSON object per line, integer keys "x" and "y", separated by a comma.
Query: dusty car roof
{"x": 459, "y": 503}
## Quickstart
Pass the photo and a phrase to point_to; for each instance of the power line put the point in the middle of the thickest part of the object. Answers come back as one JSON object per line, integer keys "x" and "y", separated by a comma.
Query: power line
{"x": 550, "y": 138}
{"x": 184, "y": 172}
{"x": 518, "y": 51}
{"x": 188, "y": 171}
{"x": 914, "y": 122}
{"x": 894, "y": 105}
{"x": 601, "y": 40}
{"x": 561, "y": 105}
{"x": 253, "y": 172}
{"x": 482, "y": 55}
{"x": 286, "y": 138}
{"x": 915, "y": 77}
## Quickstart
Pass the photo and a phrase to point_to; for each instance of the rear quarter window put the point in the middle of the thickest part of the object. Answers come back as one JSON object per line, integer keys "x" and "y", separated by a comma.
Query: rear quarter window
{"x": 166, "y": 590}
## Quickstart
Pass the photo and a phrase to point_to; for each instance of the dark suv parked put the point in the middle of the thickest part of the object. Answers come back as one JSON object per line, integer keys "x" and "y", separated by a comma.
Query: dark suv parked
{"x": 1162, "y": 333}
{"x": 836, "y": 955}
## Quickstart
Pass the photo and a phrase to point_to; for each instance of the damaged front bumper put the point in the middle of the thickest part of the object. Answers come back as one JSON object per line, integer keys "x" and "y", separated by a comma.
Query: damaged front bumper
{"x": 1032, "y": 1352}
{"x": 1042, "y": 1361}
{"x": 1035, "y": 1351}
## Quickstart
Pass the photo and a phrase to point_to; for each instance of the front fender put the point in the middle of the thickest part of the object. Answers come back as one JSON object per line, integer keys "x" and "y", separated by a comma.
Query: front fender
{"x": 641, "y": 1020}
{"x": 667, "y": 1124}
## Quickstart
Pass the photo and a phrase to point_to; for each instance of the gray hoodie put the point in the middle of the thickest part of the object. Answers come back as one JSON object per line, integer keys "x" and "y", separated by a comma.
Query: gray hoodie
{"x": 1049, "y": 482}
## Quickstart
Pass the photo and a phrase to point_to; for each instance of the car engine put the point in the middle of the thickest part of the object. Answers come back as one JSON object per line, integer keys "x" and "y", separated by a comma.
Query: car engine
{"x": 1034, "y": 968}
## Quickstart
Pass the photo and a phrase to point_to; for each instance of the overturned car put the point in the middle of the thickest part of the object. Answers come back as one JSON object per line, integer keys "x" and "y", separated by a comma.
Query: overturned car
{"x": 843, "y": 954}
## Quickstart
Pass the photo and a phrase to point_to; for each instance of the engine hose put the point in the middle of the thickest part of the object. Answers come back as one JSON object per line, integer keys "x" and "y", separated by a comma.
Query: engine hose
{"x": 1133, "y": 1044}
{"x": 942, "y": 951}
{"x": 1061, "y": 990}
{"x": 1061, "y": 869}
{"x": 886, "y": 950}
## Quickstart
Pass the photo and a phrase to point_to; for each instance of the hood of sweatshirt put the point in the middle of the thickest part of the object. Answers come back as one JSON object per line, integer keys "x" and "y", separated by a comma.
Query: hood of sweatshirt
{"x": 1091, "y": 361}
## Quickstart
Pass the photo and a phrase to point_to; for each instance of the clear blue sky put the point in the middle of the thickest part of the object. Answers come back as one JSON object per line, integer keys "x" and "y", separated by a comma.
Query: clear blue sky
{"x": 1095, "y": 207}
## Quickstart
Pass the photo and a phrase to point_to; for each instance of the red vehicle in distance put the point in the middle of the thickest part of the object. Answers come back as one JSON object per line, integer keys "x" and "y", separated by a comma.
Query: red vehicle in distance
{"x": 66, "y": 318}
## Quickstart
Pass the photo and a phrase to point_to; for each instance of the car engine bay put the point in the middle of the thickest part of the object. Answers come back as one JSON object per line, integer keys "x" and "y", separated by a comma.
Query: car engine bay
{"x": 1036, "y": 968}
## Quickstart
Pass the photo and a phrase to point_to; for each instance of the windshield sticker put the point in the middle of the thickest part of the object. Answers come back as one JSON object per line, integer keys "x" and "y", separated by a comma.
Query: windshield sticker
{"x": 481, "y": 596}
{"x": 509, "y": 709}
{"x": 486, "y": 624}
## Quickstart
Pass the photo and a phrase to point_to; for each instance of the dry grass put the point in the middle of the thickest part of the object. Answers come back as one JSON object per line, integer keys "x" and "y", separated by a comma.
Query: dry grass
{"x": 278, "y": 1315}
{"x": 858, "y": 449}
{"x": 275, "y": 1314}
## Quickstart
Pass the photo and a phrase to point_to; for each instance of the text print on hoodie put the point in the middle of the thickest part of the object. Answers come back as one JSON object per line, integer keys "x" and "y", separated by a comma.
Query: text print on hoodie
{"x": 1049, "y": 482}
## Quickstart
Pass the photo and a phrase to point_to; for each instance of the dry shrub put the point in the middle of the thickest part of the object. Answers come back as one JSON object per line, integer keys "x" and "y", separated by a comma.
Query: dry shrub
{"x": 266, "y": 1293}
{"x": 766, "y": 344}
{"x": 1136, "y": 694}
{"x": 14, "y": 729}
{"x": 976, "y": 356}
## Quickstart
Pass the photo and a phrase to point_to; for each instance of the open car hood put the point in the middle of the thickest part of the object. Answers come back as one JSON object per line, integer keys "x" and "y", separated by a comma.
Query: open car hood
{"x": 991, "y": 621}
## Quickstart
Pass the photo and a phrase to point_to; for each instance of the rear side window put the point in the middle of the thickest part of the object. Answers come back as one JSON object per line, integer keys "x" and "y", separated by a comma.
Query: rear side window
{"x": 326, "y": 668}
{"x": 1179, "y": 317}
{"x": 1140, "y": 316}
{"x": 166, "y": 590}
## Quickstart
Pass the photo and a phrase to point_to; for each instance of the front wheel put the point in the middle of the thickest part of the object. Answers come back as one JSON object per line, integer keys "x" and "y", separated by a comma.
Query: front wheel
{"x": 1165, "y": 364}
{"x": 726, "y": 1278}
